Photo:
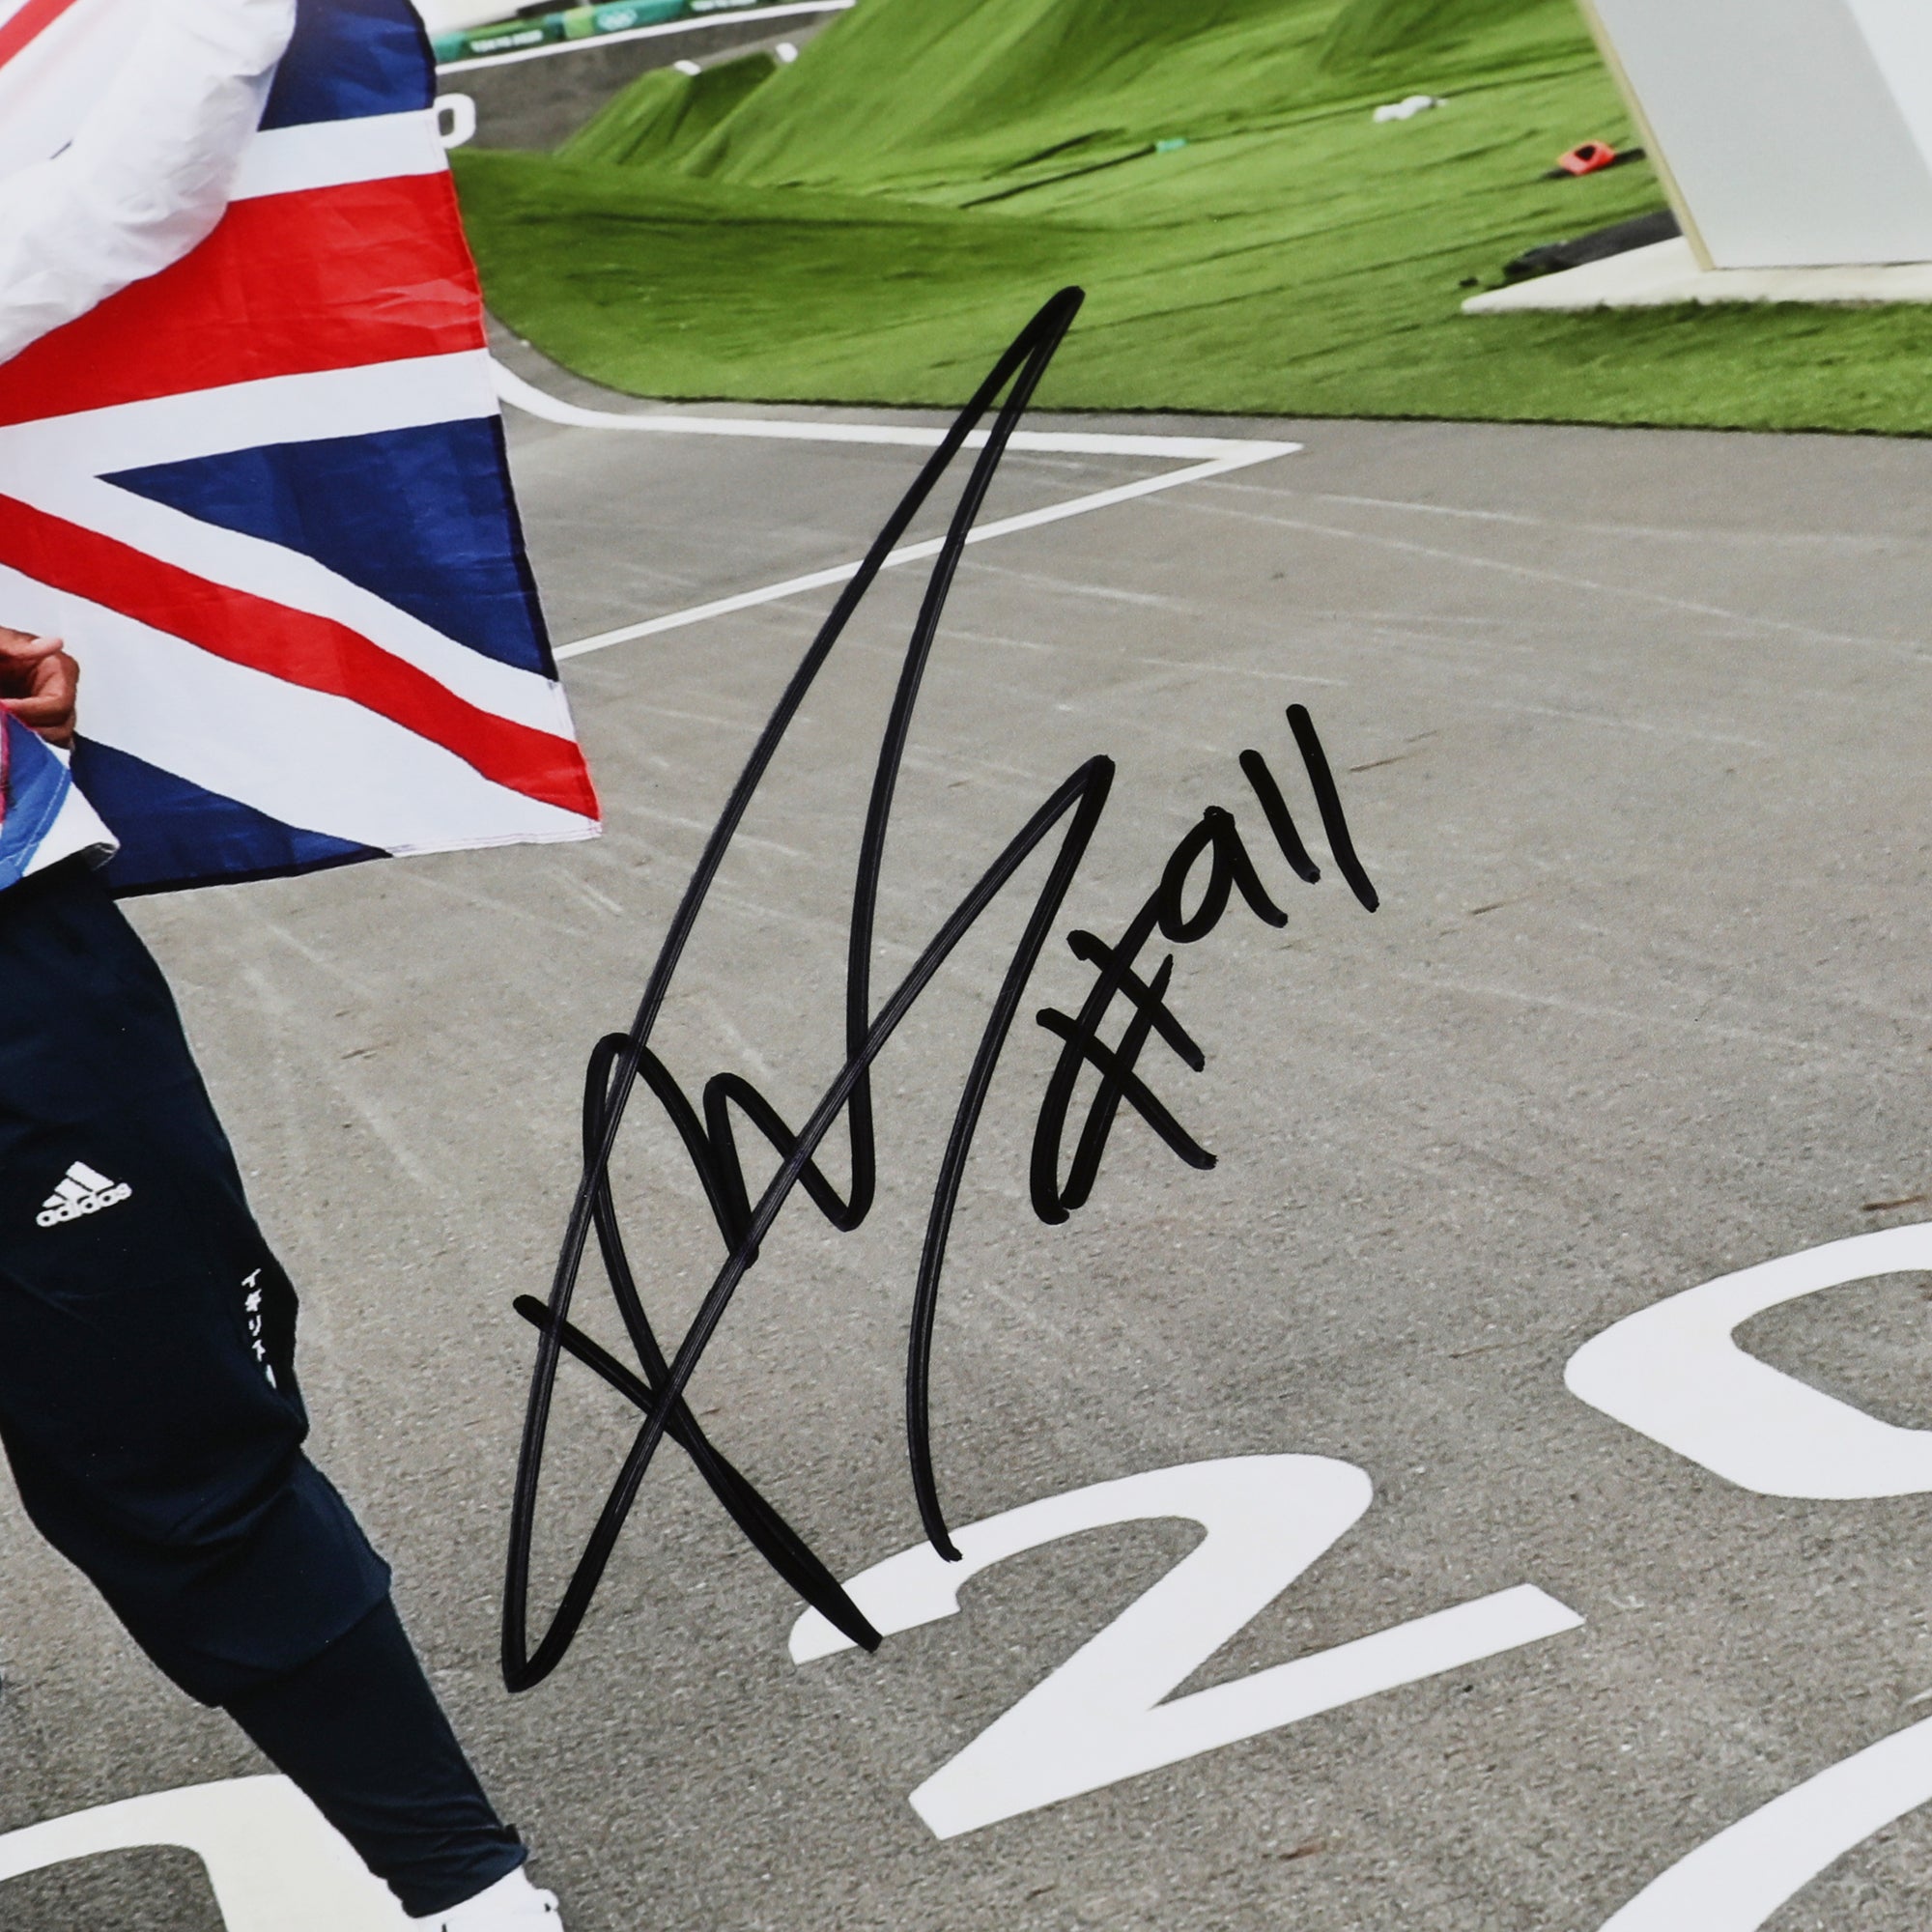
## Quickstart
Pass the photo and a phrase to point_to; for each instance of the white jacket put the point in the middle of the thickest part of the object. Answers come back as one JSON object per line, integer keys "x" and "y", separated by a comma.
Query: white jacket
{"x": 122, "y": 126}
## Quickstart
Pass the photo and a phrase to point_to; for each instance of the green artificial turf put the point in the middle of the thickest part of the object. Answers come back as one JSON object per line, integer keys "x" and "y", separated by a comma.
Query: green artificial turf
{"x": 871, "y": 223}
{"x": 663, "y": 113}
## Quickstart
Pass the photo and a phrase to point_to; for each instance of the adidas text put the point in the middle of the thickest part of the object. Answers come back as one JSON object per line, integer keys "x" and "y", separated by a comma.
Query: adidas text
{"x": 82, "y": 1192}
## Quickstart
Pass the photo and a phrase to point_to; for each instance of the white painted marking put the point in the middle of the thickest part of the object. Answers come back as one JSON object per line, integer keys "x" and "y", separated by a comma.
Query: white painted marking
{"x": 1212, "y": 456}
{"x": 843, "y": 573}
{"x": 1674, "y": 1373}
{"x": 275, "y": 1865}
{"x": 462, "y": 112}
{"x": 1100, "y": 1717}
{"x": 513, "y": 390}
{"x": 647, "y": 33}
{"x": 1737, "y": 1881}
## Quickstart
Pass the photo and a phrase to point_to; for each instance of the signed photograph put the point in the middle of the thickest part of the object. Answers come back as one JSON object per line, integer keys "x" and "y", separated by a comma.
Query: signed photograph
{"x": 963, "y": 966}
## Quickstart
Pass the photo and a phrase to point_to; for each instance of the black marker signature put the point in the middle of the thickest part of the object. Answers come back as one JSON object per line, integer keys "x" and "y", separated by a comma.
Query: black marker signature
{"x": 709, "y": 1128}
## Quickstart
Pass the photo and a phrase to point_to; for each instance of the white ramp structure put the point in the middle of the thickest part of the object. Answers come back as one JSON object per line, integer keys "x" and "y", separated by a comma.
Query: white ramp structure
{"x": 1794, "y": 138}
{"x": 1791, "y": 133}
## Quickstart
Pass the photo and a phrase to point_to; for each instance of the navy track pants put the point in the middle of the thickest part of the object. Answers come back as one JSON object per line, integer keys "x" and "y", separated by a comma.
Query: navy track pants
{"x": 147, "y": 1399}
{"x": 150, "y": 1410}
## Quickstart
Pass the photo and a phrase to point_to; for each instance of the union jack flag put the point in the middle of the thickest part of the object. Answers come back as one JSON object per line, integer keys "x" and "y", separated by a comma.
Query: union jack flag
{"x": 263, "y": 495}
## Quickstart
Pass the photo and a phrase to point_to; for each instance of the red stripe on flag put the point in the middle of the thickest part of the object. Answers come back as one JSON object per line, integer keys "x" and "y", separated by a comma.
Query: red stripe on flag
{"x": 287, "y": 285}
{"x": 33, "y": 20}
{"x": 316, "y": 653}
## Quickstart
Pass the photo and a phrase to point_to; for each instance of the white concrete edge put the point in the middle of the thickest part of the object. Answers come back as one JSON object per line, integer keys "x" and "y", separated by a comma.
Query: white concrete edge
{"x": 1667, "y": 272}
{"x": 514, "y": 390}
{"x": 656, "y": 32}
{"x": 1052, "y": 513}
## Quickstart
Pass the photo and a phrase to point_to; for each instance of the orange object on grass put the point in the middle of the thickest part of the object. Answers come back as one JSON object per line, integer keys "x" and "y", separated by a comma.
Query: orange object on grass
{"x": 1587, "y": 157}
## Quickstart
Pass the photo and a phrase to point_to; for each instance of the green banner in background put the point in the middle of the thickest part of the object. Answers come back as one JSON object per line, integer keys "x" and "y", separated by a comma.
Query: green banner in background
{"x": 575, "y": 23}
{"x": 581, "y": 23}
{"x": 504, "y": 38}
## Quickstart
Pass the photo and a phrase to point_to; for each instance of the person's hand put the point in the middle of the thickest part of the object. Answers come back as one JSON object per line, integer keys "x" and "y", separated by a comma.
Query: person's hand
{"x": 38, "y": 682}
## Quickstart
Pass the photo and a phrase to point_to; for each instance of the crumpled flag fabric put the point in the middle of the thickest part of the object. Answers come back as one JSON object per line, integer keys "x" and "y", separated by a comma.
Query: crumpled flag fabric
{"x": 263, "y": 494}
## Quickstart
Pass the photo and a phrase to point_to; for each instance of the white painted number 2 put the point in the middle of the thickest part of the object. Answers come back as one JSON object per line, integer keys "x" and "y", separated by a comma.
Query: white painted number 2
{"x": 1100, "y": 1717}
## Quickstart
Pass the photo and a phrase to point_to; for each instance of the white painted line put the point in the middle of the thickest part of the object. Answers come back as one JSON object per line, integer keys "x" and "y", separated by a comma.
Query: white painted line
{"x": 532, "y": 400}
{"x": 1737, "y": 1881}
{"x": 1053, "y": 513}
{"x": 274, "y": 1863}
{"x": 646, "y": 33}
{"x": 1213, "y": 456}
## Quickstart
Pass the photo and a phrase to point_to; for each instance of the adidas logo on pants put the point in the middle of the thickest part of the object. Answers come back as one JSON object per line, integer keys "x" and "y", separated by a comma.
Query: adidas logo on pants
{"x": 82, "y": 1192}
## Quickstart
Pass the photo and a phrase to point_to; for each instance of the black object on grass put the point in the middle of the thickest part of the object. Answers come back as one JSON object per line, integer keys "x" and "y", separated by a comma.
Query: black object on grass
{"x": 1641, "y": 231}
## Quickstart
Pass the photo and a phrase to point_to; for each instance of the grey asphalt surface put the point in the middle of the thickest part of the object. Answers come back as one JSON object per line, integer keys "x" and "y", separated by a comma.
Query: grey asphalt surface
{"x": 1633, "y": 732}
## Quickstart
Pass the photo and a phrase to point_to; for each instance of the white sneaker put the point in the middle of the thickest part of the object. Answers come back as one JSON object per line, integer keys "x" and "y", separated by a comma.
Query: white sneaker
{"x": 513, "y": 1904}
